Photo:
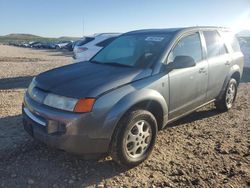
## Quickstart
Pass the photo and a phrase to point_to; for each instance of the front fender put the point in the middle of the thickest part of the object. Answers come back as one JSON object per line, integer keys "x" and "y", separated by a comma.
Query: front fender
{"x": 128, "y": 101}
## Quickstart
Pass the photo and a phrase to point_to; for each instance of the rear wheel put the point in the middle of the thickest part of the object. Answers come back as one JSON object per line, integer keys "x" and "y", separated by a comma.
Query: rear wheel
{"x": 227, "y": 101}
{"x": 134, "y": 138}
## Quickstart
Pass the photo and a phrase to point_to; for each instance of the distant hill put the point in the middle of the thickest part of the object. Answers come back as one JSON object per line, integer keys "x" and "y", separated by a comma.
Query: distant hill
{"x": 244, "y": 33}
{"x": 17, "y": 35}
{"x": 20, "y": 37}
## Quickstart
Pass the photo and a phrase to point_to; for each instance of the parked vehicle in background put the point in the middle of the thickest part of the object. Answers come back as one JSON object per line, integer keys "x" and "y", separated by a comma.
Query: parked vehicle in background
{"x": 68, "y": 46}
{"x": 62, "y": 44}
{"x": 37, "y": 45}
{"x": 41, "y": 44}
{"x": 34, "y": 44}
{"x": 24, "y": 44}
{"x": 116, "y": 102}
{"x": 91, "y": 45}
{"x": 48, "y": 45}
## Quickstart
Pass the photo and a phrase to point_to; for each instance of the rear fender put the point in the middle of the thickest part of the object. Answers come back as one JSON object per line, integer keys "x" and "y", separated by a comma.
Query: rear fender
{"x": 233, "y": 69}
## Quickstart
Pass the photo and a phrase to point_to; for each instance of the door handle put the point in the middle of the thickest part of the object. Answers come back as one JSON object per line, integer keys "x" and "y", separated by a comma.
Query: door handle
{"x": 227, "y": 63}
{"x": 202, "y": 70}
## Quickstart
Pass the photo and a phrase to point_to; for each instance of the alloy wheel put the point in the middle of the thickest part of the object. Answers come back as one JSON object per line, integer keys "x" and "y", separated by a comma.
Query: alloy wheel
{"x": 138, "y": 139}
{"x": 230, "y": 95}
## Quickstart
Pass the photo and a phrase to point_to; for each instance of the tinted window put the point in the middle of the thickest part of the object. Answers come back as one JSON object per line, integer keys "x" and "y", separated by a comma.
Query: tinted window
{"x": 215, "y": 45}
{"x": 84, "y": 41}
{"x": 188, "y": 46}
{"x": 105, "y": 42}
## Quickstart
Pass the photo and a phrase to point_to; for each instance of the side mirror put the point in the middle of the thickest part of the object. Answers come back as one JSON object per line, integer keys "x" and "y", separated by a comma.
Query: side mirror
{"x": 182, "y": 62}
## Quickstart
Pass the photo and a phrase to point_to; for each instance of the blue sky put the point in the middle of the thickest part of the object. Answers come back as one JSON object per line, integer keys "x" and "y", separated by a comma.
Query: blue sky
{"x": 64, "y": 17}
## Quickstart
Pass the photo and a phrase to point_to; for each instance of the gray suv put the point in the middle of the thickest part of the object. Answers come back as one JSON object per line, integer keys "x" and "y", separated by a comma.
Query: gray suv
{"x": 116, "y": 102}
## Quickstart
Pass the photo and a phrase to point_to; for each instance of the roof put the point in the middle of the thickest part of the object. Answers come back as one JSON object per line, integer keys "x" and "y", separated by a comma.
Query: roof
{"x": 144, "y": 31}
{"x": 172, "y": 30}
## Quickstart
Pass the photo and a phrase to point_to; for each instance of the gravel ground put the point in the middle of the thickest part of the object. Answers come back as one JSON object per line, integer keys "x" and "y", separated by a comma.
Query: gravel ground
{"x": 204, "y": 149}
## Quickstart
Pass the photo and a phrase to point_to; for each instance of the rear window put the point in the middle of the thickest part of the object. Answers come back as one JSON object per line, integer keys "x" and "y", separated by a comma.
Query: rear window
{"x": 84, "y": 41}
{"x": 105, "y": 42}
{"x": 230, "y": 38}
{"x": 215, "y": 46}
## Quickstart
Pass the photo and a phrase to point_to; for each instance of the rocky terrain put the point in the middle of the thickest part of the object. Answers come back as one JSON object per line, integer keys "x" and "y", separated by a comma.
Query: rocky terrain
{"x": 204, "y": 149}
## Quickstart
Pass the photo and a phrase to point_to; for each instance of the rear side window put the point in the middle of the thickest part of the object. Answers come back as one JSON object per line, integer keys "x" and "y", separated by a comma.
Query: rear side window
{"x": 188, "y": 46}
{"x": 232, "y": 40}
{"x": 215, "y": 46}
{"x": 105, "y": 42}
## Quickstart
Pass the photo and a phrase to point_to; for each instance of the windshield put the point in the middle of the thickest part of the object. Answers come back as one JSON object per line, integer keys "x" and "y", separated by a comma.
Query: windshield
{"x": 134, "y": 50}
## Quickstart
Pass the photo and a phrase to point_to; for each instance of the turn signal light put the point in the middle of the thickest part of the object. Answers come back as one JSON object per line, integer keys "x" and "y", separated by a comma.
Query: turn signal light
{"x": 84, "y": 105}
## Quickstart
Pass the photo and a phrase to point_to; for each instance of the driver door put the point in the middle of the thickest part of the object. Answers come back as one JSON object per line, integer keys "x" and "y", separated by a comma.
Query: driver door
{"x": 187, "y": 86}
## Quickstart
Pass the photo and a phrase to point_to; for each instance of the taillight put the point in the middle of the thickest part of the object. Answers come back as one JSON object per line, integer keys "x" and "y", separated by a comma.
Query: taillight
{"x": 81, "y": 49}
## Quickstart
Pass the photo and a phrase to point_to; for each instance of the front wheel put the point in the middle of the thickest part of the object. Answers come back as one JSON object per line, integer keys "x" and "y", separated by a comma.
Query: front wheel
{"x": 134, "y": 138}
{"x": 227, "y": 101}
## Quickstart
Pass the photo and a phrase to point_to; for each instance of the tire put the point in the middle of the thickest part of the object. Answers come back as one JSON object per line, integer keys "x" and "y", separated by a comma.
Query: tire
{"x": 228, "y": 98}
{"x": 134, "y": 138}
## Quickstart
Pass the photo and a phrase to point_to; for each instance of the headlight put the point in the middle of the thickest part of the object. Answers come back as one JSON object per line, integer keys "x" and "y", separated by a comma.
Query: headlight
{"x": 63, "y": 103}
{"x": 69, "y": 104}
{"x": 35, "y": 93}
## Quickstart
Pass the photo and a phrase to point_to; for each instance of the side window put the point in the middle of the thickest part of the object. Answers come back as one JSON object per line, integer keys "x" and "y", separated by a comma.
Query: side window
{"x": 105, "y": 42}
{"x": 188, "y": 46}
{"x": 232, "y": 40}
{"x": 215, "y": 46}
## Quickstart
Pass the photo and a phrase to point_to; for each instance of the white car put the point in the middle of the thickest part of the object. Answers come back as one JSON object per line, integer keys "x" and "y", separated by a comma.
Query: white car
{"x": 92, "y": 45}
{"x": 62, "y": 44}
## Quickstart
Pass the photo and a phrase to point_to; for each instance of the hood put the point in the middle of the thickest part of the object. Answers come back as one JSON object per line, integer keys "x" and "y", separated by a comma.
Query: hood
{"x": 87, "y": 79}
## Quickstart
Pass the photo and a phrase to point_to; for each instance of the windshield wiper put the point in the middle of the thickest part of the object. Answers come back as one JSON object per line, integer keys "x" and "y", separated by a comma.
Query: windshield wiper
{"x": 111, "y": 63}
{"x": 96, "y": 62}
{"x": 117, "y": 64}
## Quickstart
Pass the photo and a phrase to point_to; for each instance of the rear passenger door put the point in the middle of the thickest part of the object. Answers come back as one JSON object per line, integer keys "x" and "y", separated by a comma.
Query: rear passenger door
{"x": 187, "y": 86}
{"x": 218, "y": 62}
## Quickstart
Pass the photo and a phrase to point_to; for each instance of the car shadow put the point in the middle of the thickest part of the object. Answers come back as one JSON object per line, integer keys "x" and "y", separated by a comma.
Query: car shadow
{"x": 15, "y": 82}
{"x": 27, "y": 158}
{"x": 195, "y": 116}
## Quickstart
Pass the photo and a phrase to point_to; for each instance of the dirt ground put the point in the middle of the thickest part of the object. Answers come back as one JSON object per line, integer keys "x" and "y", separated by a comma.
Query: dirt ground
{"x": 205, "y": 149}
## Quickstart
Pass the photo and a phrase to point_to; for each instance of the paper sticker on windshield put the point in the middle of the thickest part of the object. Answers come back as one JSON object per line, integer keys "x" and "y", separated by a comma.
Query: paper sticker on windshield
{"x": 154, "y": 39}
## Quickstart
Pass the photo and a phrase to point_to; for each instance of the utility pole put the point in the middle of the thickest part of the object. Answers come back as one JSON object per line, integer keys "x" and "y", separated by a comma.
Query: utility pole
{"x": 82, "y": 26}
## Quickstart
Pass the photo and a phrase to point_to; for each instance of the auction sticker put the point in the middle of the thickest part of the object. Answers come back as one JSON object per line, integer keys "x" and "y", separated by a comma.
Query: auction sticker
{"x": 154, "y": 39}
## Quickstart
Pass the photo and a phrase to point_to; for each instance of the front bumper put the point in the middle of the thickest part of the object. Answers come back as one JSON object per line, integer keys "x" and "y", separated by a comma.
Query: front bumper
{"x": 62, "y": 130}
